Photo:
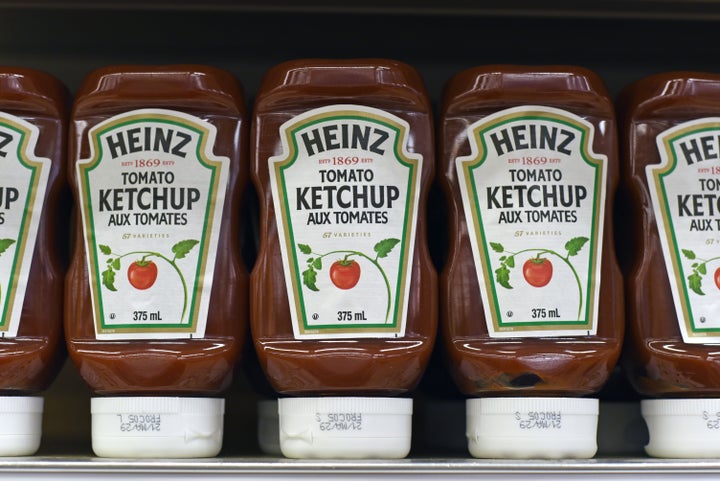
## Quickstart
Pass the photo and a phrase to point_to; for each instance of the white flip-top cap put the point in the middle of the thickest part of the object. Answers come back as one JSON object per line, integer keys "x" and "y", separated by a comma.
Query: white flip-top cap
{"x": 682, "y": 428}
{"x": 157, "y": 427}
{"x": 20, "y": 425}
{"x": 523, "y": 428}
{"x": 345, "y": 427}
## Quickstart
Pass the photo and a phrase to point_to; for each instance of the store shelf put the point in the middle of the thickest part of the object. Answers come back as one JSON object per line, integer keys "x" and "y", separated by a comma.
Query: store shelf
{"x": 281, "y": 469}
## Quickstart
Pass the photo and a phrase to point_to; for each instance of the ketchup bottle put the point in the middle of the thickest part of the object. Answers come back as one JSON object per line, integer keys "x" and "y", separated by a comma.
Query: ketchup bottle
{"x": 531, "y": 294}
{"x": 344, "y": 293}
{"x": 157, "y": 290}
{"x": 671, "y": 124}
{"x": 33, "y": 214}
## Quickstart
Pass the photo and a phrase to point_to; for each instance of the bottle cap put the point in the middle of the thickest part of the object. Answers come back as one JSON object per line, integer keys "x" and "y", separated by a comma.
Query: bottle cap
{"x": 345, "y": 427}
{"x": 157, "y": 427}
{"x": 522, "y": 428}
{"x": 268, "y": 431}
{"x": 682, "y": 428}
{"x": 20, "y": 425}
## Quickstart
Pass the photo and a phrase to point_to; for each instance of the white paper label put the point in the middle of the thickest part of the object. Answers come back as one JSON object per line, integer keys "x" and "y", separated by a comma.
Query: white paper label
{"x": 534, "y": 197}
{"x": 685, "y": 193}
{"x": 22, "y": 192}
{"x": 346, "y": 192}
{"x": 152, "y": 199}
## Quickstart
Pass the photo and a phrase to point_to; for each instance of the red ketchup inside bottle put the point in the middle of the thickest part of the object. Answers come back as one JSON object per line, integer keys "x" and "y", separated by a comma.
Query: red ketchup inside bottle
{"x": 157, "y": 290}
{"x": 531, "y": 294}
{"x": 344, "y": 291}
{"x": 671, "y": 123}
{"x": 33, "y": 237}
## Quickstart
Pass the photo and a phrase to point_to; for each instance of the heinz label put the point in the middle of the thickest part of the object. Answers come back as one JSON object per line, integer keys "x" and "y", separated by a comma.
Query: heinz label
{"x": 152, "y": 195}
{"x": 533, "y": 192}
{"x": 346, "y": 191}
{"x": 685, "y": 193}
{"x": 22, "y": 192}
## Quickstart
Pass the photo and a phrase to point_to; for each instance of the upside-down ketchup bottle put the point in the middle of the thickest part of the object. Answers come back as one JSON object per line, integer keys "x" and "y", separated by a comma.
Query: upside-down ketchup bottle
{"x": 33, "y": 216}
{"x": 671, "y": 127}
{"x": 157, "y": 291}
{"x": 344, "y": 294}
{"x": 531, "y": 294}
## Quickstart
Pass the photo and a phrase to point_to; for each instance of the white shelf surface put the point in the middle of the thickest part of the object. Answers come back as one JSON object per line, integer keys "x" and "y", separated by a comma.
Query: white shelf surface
{"x": 80, "y": 468}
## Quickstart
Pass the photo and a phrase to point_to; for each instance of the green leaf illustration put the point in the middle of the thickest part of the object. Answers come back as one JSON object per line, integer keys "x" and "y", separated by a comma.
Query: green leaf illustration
{"x": 304, "y": 248}
{"x": 689, "y": 254}
{"x": 695, "y": 283}
{"x": 574, "y": 245}
{"x": 384, "y": 247}
{"x": 510, "y": 261}
{"x": 182, "y": 248}
{"x": 497, "y": 247}
{"x": 105, "y": 249}
{"x": 310, "y": 278}
{"x": 502, "y": 276}
{"x": 5, "y": 243}
{"x": 317, "y": 263}
{"x": 108, "y": 278}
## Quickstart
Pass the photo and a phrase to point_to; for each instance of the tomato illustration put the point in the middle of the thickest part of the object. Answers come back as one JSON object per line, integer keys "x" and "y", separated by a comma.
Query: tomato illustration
{"x": 717, "y": 277}
{"x": 142, "y": 274}
{"x": 537, "y": 271}
{"x": 345, "y": 274}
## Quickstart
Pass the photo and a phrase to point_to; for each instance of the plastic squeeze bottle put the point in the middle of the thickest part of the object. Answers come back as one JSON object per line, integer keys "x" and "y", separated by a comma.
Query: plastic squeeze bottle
{"x": 157, "y": 290}
{"x": 344, "y": 294}
{"x": 33, "y": 215}
{"x": 671, "y": 124}
{"x": 531, "y": 294}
